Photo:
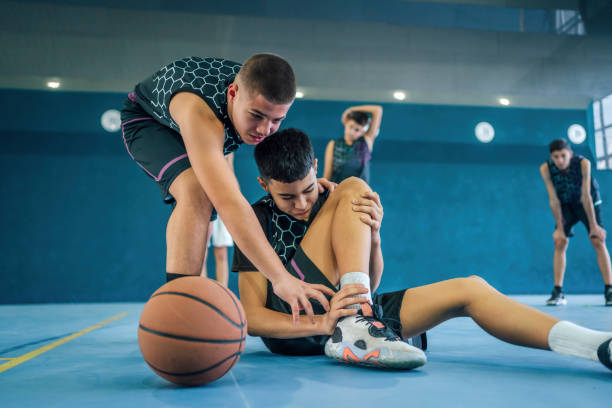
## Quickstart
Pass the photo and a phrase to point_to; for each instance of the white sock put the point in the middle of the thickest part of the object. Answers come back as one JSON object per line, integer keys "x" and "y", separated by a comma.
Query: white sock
{"x": 357, "y": 277}
{"x": 573, "y": 340}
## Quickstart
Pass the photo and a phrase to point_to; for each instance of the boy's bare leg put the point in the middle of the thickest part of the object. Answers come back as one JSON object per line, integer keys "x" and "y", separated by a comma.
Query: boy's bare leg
{"x": 204, "y": 272}
{"x": 427, "y": 306}
{"x": 338, "y": 242}
{"x": 221, "y": 265}
{"x": 603, "y": 260}
{"x": 188, "y": 226}
{"x": 559, "y": 260}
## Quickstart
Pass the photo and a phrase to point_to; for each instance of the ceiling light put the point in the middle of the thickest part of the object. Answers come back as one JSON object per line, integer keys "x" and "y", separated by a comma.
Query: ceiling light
{"x": 399, "y": 95}
{"x": 504, "y": 101}
{"x": 53, "y": 84}
{"x": 299, "y": 94}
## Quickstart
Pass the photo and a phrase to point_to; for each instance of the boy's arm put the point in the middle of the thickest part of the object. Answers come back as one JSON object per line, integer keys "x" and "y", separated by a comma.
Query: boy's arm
{"x": 376, "y": 112}
{"x": 230, "y": 161}
{"x": 587, "y": 200}
{"x": 555, "y": 204}
{"x": 377, "y": 264}
{"x": 329, "y": 158}
{"x": 266, "y": 322}
{"x": 204, "y": 135}
{"x": 369, "y": 204}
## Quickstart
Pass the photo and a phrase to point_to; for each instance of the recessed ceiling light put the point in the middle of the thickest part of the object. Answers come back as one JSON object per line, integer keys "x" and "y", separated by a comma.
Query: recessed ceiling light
{"x": 299, "y": 94}
{"x": 399, "y": 95}
{"x": 53, "y": 84}
{"x": 504, "y": 101}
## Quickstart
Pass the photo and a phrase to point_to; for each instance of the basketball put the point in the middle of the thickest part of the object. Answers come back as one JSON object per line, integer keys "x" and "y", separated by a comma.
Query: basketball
{"x": 192, "y": 331}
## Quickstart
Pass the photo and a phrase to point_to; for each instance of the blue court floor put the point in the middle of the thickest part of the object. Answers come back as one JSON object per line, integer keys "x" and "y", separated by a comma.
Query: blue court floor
{"x": 467, "y": 368}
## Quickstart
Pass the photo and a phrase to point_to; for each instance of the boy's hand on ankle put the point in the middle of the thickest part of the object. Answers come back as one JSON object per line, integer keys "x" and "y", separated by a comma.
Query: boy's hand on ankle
{"x": 324, "y": 183}
{"x": 344, "y": 297}
{"x": 369, "y": 204}
{"x": 298, "y": 294}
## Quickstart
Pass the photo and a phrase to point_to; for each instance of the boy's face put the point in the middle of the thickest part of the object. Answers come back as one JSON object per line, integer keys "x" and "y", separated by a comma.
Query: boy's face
{"x": 253, "y": 116}
{"x": 561, "y": 158}
{"x": 353, "y": 130}
{"x": 297, "y": 198}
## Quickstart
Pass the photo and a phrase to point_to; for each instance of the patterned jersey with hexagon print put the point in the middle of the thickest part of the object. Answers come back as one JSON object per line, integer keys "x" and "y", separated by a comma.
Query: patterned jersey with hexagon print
{"x": 282, "y": 230}
{"x": 207, "y": 78}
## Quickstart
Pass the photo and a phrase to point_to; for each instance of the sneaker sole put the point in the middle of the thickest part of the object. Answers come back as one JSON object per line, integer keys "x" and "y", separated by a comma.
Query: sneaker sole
{"x": 557, "y": 303}
{"x": 604, "y": 354}
{"x": 345, "y": 353}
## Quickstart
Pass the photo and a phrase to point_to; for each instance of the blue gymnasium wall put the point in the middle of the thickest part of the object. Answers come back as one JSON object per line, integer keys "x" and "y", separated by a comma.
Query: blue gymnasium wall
{"x": 81, "y": 222}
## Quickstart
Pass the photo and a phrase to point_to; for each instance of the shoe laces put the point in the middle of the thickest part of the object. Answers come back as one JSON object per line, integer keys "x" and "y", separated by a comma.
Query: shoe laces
{"x": 374, "y": 321}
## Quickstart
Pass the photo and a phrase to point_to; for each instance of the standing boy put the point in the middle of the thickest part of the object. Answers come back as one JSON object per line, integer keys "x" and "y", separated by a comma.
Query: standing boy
{"x": 574, "y": 196}
{"x": 179, "y": 123}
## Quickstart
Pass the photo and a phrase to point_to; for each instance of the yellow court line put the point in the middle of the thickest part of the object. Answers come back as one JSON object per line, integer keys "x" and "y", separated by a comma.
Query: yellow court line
{"x": 22, "y": 359}
{"x": 7, "y": 358}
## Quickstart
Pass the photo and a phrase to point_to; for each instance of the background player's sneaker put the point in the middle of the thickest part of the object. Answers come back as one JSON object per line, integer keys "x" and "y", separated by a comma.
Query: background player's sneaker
{"x": 608, "y": 296}
{"x": 604, "y": 352}
{"x": 363, "y": 339}
{"x": 557, "y": 298}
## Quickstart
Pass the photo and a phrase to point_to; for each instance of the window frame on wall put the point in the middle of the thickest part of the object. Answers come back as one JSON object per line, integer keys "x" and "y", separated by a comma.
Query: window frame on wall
{"x": 602, "y": 126}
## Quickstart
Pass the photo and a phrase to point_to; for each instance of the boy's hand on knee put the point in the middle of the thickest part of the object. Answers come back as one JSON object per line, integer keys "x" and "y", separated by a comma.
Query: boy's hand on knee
{"x": 324, "y": 183}
{"x": 346, "y": 296}
{"x": 371, "y": 206}
{"x": 298, "y": 294}
{"x": 598, "y": 232}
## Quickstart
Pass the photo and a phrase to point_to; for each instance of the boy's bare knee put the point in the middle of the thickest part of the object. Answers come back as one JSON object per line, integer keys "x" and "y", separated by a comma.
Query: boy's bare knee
{"x": 188, "y": 192}
{"x": 561, "y": 243}
{"x": 352, "y": 186}
{"x": 475, "y": 283}
{"x": 478, "y": 279}
{"x": 597, "y": 242}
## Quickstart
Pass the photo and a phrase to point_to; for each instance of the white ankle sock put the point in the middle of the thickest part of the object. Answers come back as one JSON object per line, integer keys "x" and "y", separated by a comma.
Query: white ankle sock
{"x": 357, "y": 277}
{"x": 570, "y": 339}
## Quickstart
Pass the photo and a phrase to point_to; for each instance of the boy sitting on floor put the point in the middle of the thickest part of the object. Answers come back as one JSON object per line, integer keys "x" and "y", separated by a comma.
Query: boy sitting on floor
{"x": 334, "y": 240}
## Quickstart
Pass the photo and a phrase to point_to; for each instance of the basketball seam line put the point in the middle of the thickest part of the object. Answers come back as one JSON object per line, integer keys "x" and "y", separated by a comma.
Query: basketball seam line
{"x": 186, "y": 338}
{"x": 235, "y": 305}
{"x": 194, "y": 372}
{"x": 203, "y": 302}
{"x": 231, "y": 295}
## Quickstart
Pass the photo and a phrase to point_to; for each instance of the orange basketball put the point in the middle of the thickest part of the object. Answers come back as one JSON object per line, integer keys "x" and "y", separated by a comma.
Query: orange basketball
{"x": 192, "y": 331}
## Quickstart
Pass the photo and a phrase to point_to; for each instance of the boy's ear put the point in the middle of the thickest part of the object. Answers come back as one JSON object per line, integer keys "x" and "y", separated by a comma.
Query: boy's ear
{"x": 263, "y": 184}
{"x": 232, "y": 91}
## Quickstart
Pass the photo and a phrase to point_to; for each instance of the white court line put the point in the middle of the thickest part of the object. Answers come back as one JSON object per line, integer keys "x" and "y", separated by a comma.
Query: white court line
{"x": 244, "y": 398}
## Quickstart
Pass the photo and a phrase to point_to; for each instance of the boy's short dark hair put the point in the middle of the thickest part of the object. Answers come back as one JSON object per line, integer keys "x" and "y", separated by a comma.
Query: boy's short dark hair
{"x": 559, "y": 144}
{"x": 269, "y": 75}
{"x": 361, "y": 118}
{"x": 285, "y": 156}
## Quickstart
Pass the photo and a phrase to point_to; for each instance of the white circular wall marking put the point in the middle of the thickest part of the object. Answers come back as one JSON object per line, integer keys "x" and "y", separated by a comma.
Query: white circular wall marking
{"x": 576, "y": 133}
{"x": 484, "y": 132}
{"x": 111, "y": 120}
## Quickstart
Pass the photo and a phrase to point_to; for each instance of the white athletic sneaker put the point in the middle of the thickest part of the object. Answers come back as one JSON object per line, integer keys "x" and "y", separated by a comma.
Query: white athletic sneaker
{"x": 604, "y": 352}
{"x": 363, "y": 339}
